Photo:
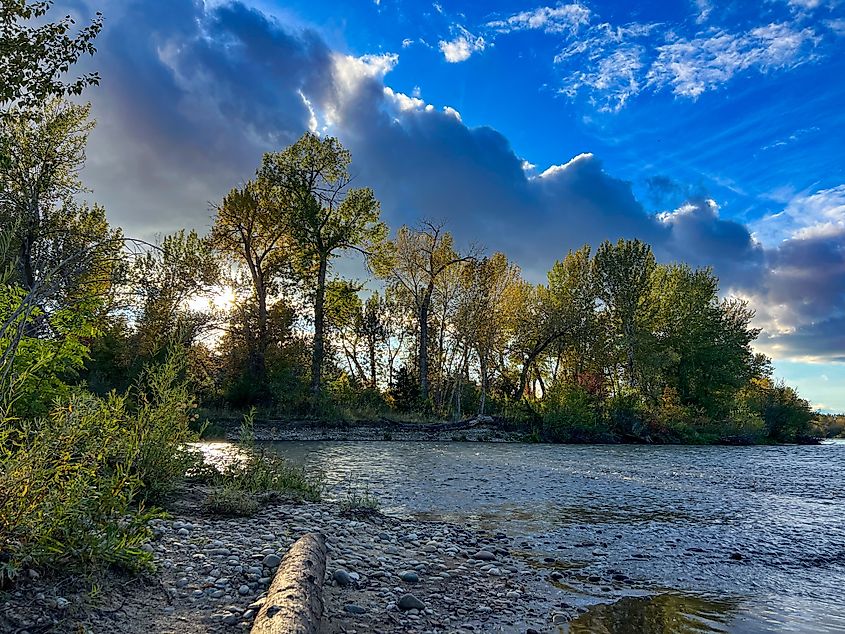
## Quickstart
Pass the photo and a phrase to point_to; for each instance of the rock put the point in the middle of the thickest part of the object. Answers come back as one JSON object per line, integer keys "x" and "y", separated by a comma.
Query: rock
{"x": 181, "y": 583}
{"x": 409, "y": 576}
{"x": 244, "y": 590}
{"x": 555, "y": 576}
{"x": 62, "y": 603}
{"x": 531, "y": 630}
{"x": 619, "y": 577}
{"x": 410, "y": 602}
{"x": 231, "y": 619}
{"x": 342, "y": 577}
{"x": 354, "y": 609}
{"x": 484, "y": 555}
{"x": 272, "y": 561}
{"x": 183, "y": 532}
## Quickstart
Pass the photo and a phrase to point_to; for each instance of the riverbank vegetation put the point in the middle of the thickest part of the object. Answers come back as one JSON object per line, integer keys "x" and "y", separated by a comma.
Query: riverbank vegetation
{"x": 108, "y": 345}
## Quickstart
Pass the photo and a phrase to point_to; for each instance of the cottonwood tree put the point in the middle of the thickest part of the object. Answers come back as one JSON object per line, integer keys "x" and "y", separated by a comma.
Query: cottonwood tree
{"x": 324, "y": 217}
{"x": 35, "y": 54}
{"x": 43, "y": 153}
{"x": 166, "y": 279}
{"x": 419, "y": 257}
{"x": 623, "y": 273}
{"x": 249, "y": 230}
{"x": 488, "y": 314}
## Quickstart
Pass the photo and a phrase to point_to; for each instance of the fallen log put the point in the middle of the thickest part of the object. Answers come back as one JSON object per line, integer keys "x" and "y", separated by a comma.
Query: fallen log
{"x": 294, "y": 602}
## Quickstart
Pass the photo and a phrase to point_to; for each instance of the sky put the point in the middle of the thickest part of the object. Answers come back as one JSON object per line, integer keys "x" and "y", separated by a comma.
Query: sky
{"x": 714, "y": 131}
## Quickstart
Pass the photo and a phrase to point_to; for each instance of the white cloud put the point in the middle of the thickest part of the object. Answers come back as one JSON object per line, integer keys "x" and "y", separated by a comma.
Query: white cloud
{"x": 559, "y": 19}
{"x": 462, "y": 46}
{"x": 806, "y": 216}
{"x": 693, "y": 66}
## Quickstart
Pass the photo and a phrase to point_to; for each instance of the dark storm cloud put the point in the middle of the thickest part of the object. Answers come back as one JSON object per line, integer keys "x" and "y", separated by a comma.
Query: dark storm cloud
{"x": 193, "y": 95}
{"x": 190, "y": 99}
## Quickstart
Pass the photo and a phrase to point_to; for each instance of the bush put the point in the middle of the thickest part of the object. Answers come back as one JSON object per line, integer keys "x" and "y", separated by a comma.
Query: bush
{"x": 569, "y": 415}
{"x": 261, "y": 472}
{"x": 73, "y": 486}
{"x": 67, "y": 489}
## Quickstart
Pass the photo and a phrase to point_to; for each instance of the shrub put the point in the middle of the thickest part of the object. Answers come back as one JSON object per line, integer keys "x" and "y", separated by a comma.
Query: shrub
{"x": 359, "y": 503}
{"x": 73, "y": 486}
{"x": 569, "y": 415}
{"x": 67, "y": 490}
{"x": 261, "y": 472}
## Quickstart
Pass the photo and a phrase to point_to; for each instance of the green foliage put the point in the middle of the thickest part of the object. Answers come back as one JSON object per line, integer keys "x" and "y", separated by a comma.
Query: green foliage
{"x": 786, "y": 416}
{"x": 34, "y": 57}
{"x": 161, "y": 411}
{"x": 73, "y": 486}
{"x": 257, "y": 472}
{"x": 359, "y": 502}
{"x": 570, "y": 416}
{"x": 230, "y": 501}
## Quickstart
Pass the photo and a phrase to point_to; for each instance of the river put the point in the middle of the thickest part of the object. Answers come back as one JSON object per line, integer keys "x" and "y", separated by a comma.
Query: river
{"x": 712, "y": 539}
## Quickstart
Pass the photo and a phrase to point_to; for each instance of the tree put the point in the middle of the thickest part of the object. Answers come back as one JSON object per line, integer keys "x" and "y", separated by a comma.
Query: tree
{"x": 166, "y": 279}
{"x": 488, "y": 314}
{"x": 34, "y": 59}
{"x": 623, "y": 278}
{"x": 419, "y": 257}
{"x": 324, "y": 217}
{"x": 248, "y": 230}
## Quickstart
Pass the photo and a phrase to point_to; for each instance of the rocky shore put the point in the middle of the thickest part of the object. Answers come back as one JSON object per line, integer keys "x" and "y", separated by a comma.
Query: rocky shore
{"x": 370, "y": 431}
{"x": 383, "y": 575}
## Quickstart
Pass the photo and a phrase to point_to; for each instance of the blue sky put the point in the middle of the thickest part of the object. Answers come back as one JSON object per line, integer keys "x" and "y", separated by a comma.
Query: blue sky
{"x": 712, "y": 130}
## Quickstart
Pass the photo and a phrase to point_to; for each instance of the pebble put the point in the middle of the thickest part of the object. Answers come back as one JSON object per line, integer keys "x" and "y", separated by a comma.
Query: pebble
{"x": 354, "y": 609}
{"x": 271, "y": 561}
{"x": 484, "y": 555}
{"x": 342, "y": 577}
{"x": 409, "y": 576}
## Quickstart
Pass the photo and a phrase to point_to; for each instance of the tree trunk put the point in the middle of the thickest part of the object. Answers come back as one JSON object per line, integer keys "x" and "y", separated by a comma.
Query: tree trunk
{"x": 423, "y": 352}
{"x": 371, "y": 344}
{"x": 294, "y": 602}
{"x": 319, "y": 318}
{"x": 261, "y": 346}
{"x": 482, "y": 361}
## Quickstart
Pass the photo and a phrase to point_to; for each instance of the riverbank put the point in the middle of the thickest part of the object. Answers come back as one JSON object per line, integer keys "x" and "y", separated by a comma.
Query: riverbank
{"x": 383, "y": 575}
{"x": 486, "y": 430}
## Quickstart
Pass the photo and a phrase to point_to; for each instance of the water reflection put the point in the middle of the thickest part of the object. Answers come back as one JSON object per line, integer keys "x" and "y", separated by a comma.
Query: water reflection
{"x": 660, "y": 614}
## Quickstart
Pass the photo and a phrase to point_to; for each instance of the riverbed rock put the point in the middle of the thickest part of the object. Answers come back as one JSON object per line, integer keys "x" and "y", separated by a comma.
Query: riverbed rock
{"x": 272, "y": 561}
{"x": 409, "y": 576}
{"x": 342, "y": 577}
{"x": 484, "y": 555}
{"x": 410, "y": 602}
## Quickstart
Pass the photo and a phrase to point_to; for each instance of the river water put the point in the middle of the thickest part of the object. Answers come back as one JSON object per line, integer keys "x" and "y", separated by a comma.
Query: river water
{"x": 712, "y": 539}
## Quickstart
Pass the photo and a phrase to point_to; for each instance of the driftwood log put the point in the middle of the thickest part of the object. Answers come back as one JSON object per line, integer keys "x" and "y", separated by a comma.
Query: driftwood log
{"x": 294, "y": 602}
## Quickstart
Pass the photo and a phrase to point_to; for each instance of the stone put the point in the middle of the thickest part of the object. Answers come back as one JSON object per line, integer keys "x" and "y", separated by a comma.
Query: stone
{"x": 244, "y": 590}
{"x": 410, "y": 602}
{"x": 183, "y": 532}
{"x": 62, "y": 603}
{"x": 409, "y": 576}
{"x": 354, "y": 609}
{"x": 484, "y": 555}
{"x": 342, "y": 577}
{"x": 231, "y": 619}
{"x": 272, "y": 561}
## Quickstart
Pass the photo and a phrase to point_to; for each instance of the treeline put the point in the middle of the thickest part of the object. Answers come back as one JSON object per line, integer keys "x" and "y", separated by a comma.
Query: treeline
{"x": 613, "y": 347}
